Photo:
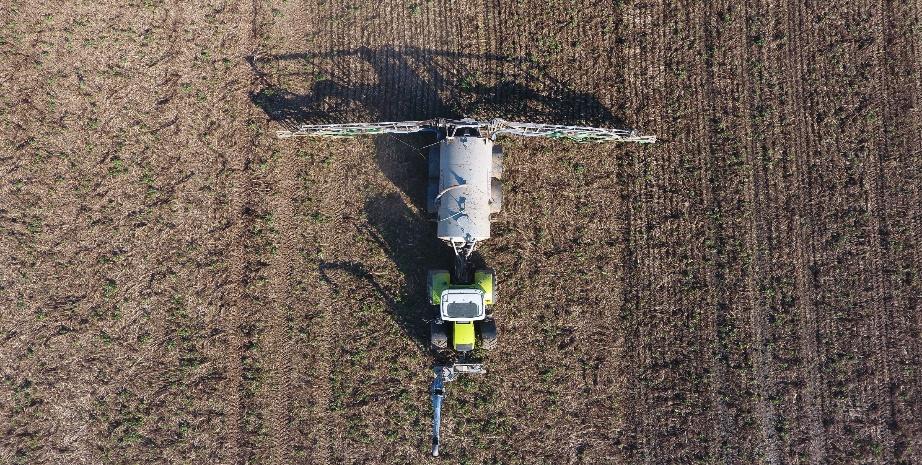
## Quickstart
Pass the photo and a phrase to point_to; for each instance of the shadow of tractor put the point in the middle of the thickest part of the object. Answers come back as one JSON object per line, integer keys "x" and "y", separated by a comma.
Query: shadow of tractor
{"x": 408, "y": 239}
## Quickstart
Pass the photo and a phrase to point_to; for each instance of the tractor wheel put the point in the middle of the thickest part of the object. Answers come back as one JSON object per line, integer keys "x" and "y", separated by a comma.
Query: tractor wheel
{"x": 438, "y": 337}
{"x": 434, "y": 163}
{"x": 496, "y": 196}
{"x": 488, "y": 334}
{"x": 497, "y": 162}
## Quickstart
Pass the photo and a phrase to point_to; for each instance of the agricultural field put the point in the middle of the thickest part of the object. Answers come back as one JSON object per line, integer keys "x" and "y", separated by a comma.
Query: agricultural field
{"x": 177, "y": 285}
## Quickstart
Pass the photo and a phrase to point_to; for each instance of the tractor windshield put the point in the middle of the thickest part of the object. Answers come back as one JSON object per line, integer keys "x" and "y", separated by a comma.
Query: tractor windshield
{"x": 462, "y": 304}
{"x": 463, "y": 310}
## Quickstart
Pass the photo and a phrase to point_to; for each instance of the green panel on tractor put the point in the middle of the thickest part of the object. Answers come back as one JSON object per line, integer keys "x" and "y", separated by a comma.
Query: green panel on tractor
{"x": 439, "y": 280}
{"x": 483, "y": 280}
{"x": 463, "y": 336}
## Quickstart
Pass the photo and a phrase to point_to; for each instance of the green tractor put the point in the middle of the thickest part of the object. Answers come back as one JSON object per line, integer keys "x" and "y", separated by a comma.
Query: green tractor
{"x": 462, "y": 311}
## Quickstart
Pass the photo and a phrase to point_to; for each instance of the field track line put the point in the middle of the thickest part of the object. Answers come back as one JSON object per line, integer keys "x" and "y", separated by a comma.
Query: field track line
{"x": 877, "y": 211}
{"x": 318, "y": 365}
{"x": 284, "y": 263}
{"x": 321, "y": 452}
{"x": 240, "y": 192}
{"x": 650, "y": 448}
{"x": 281, "y": 276}
{"x": 802, "y": 145}
{"x": 334, "y": 445}
{"x": 719, "y": 417}
{"x": 653, "y": 63}
{"x": 915, "y": 148}
{"x": 650, "y": 259}
{"x": 768, "y": 416}
{"x": 291, "y": 416}
{"x": 632, "y": 76}
{"x": 469, "y": 20}
{"x": 323, "y": 368}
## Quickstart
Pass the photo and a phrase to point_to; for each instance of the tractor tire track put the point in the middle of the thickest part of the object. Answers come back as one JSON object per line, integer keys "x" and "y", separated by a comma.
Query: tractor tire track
{"x": 327, "y": 435}
{"x": 281, "y": 276}
{"x": 324, "y": 438}
{"x": 241, "y": 151}
{"x": 333, "y": 440}
{"x": 647, "y": 17}
{"x": 652, "y": 258}
{"x": 915, "y": 217}
{"x": 295, "y": 420}
{"x": 802, "y": 142}
{"x": 670, "y": 332}
{"x": 637, "y": 19}
{"x": 595, "y": 419}
{"x": 757, "y": 249}
{"x": 877, "y": 211}
{"x": 780, "y": 287}
{"x": 900, "y": 184}
{"x": 706, "y": 94}
{"x": 282, "y": 263}
{"x": 469, "y": 49}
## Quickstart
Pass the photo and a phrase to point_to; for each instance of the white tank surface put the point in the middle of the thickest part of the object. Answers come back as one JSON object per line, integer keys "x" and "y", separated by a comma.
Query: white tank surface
{"x": 465, "y": 163}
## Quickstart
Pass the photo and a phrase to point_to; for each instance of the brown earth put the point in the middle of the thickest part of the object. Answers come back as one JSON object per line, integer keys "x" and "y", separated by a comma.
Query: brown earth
{"x": 178, "y": 286}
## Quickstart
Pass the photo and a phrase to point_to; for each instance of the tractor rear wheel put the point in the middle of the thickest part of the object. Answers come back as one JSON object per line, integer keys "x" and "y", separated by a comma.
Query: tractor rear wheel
{"x": 488, "y": 334}
{"x": 437, "y": 336}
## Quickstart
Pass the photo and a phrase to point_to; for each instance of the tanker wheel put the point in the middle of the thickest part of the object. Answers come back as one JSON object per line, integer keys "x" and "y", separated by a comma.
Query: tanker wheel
{"x": 438, "y": 339}
{"x": 497, "y": 170}
{"x": 488, "y": 334}
{"x": 496, "y": 196}
{"x": 432, "y": 191}
{"x": 434, "y": 162}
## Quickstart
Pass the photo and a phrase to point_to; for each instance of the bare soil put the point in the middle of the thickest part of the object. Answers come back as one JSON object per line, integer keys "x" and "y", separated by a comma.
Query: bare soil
{"x": 179, "y": 286}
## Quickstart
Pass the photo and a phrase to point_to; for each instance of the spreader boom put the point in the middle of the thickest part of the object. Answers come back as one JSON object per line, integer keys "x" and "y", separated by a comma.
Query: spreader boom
{"x": 495, "y": 127}
{"x": 575, "y": 133}
{"x": 356, "y": 129}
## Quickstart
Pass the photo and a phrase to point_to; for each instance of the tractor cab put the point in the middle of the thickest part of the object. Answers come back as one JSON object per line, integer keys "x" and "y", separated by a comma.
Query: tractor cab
{"x": 463, "y": 307}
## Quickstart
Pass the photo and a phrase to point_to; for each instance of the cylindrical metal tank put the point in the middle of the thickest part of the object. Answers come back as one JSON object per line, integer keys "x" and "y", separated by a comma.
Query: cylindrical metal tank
{"x": 465, "y": 163}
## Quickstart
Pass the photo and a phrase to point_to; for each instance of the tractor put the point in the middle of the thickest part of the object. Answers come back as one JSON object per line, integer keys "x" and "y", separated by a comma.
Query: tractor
{"x": 465, "y": 308}
{"x": 463, "y": 191}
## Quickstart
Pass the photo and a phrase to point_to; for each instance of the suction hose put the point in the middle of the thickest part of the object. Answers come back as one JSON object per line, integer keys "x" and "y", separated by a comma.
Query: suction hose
{"x": 437, "y": 392}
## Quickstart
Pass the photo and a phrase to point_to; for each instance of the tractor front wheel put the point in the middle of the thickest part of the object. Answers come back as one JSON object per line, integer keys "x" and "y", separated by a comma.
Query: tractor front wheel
{"x": 437, "y": 337}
